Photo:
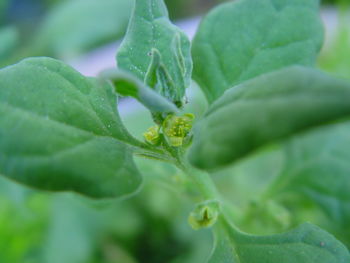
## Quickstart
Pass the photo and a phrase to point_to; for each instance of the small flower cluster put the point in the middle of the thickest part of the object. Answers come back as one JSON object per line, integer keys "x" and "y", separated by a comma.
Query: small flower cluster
{"x": 176, "y": 130}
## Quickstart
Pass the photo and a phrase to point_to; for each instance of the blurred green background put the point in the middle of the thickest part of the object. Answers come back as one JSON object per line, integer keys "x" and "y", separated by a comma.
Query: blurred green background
{"x": 38, "y": 227}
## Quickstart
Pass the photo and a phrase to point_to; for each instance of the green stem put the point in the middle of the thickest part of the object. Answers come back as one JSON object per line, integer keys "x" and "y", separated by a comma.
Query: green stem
{"x": 229, "y": 213}
{"x": 154, "y": 153}
{"x": 203, "y": 181}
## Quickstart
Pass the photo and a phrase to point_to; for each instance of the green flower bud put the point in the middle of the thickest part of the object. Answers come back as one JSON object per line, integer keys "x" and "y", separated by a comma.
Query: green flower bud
{"x": 204, "y": 215}
{"x": 176, "y": 128}
{"x": 152, "y": 135}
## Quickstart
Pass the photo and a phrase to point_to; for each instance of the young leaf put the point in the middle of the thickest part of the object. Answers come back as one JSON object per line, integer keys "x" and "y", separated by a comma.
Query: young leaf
{"x": 60, "y": 131}
{"x": 304, "y": 244}
{"x": 268, "y": 108}
{"x": 156, "y": 51}
{"x": 128, "y": 85}
{"x": 242, "y": 39}
{"x": 317, "y": 165}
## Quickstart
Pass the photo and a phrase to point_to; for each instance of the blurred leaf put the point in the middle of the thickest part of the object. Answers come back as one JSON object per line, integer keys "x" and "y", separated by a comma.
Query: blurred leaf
{"x": 22, "y": 228}
{"x": 268, "y": 108}
{"x": 244, "y": 182}
{"x": 235, "y": 43}
{"x": 60, "y": 131}
{"x": 9, "y": 40}
{"x": 317, "y": 166}
{"x": 304, "y": 244}
{"x": 73, "y": 232}
{"x": 74, "y": 27}
{"x": 336, "y": 57}
{"x": 156, "y": 51}
{"x": 3, "y": 8}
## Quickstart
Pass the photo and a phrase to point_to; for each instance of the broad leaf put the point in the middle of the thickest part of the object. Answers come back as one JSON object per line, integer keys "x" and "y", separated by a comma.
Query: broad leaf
{"x": 128, "y": 85}
{"x": 317, "y": 165}
{"x": 74, "y": 27}
{"x": 268, "y": 108}
{"x": 304, "y": 244}
{"x": 60, "y": 131}
{"x": 156, "y": 51}
{"x": 242, "y": 39}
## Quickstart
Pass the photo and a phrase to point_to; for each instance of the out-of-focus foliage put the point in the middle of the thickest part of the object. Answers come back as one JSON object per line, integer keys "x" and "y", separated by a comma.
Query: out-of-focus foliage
{"x": 9, "y": 41}
{"x": 3, "y": 8}
{"x": 150, "y": 228}
{"x": 336, "y": 57}
{"x": 334, "y": 2}
{"x": 74, "y": 27}
{"x": 71, "y": 28}
{"x": 65, "y": 29}
{"x": 23, "y": 217}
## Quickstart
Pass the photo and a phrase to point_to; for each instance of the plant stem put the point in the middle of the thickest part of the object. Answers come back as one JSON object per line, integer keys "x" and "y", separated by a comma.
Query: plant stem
{"x": 203, "y": 181}
{"x": 209, "y": 191}
{"x": 155, "y": 154}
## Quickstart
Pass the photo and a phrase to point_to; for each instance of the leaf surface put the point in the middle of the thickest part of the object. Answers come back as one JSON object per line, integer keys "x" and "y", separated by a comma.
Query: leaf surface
{"x": 268, "y": 108}
{"x": 156, "y": 51}
{"x": 242, "y": 39}
{"x": 304, "y": 244}
{"x": 60, "y": 131}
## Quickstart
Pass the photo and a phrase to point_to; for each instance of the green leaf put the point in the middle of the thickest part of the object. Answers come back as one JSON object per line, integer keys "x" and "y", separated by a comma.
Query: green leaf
{"x": 268, "y": 108}
{"x": 60, "y": 131}
{"x": 128, "y": 85}
{"x": 317, "y": 165}
{"x": 156, "y": 51}
{"x": 74, "y": 27}
{"x": 304, "y": 244}
{"x": 242, "y": 39}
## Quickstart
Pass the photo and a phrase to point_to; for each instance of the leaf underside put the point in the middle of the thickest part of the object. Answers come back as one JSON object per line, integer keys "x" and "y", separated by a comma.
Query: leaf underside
{"x": 128, "y": 85}
{"x": 266, "y": 109}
